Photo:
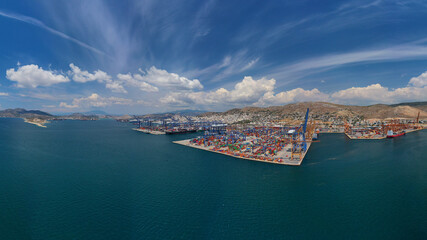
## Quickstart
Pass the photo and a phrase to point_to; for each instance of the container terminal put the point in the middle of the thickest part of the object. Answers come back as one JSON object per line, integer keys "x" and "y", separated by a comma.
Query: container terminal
{"x": 161, "y": 127}
{"x": 271, "y": 144}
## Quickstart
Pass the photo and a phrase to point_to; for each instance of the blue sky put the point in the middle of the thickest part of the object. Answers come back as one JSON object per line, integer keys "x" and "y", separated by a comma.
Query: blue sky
{"x": 154, "y": 56}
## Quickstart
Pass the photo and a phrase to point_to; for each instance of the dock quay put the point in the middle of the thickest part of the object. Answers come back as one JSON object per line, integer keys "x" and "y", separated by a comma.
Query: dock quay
{"x": 367, "y": 137}
{"x": 283, "y": 157}
{"x": 169, "y": 127}
{"x": 390, "y": 128}
{"x": 270, "y": 144}
{"x": 149, "y": 131}
{"x": 161, "y": 131}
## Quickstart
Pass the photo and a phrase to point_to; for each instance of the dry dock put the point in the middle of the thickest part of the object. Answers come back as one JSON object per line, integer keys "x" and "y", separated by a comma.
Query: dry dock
{"x": 284, "y": 154}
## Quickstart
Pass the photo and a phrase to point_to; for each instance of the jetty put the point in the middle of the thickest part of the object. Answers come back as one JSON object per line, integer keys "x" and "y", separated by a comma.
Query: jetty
{"x": 149, "y": 131}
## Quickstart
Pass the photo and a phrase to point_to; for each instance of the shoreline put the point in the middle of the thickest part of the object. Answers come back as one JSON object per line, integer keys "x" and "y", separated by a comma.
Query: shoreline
{"x": 149, "y": 132}
{"x": 379, "y": 138}
{"x": 37, "y": 122}
{"x": 286, "y": 161}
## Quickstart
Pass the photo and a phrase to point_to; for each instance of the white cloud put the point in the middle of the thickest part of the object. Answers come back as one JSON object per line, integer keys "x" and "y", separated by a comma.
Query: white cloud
{"x": 95, "y": 100}
{"x": 114, "y": 86}
{"x": 32, "y": 76}
{"x": 376, "y": 93}
{"x": 261, "y": 93}
{"x": 163, "y": 78}
{"x": 100, "y": 76}
{"x": 247, "y": 91}
{"x": 294, "y": 95}
{"x": 4, "y": 94}
{"x": 136, "y": 80}
{"x": 84, "y": 76}
{"x": 65, "y": 105}
{"x": 419, "y": 81}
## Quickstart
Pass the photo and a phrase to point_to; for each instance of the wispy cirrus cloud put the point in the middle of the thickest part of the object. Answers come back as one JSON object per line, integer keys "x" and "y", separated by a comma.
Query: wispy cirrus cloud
{"x": 403, "y": 52}
{"x": 40, "y": 24}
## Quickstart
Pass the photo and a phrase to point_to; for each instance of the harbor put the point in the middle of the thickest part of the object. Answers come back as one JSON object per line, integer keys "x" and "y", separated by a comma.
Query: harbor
{"x": 381, "y": 129}
{"x": 149, "y": 131}
{"x": 284, "y": 142}
{"x": 162, "y": 126}
{"x": 270, "y": 144}
{"x": 101, "y": 161}
{"x": 284, "y": 157}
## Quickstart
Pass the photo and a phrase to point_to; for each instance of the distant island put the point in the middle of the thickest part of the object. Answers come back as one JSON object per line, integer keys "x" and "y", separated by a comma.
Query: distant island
{"x": 40, "y": 118}
{"x": 321, "y": 111}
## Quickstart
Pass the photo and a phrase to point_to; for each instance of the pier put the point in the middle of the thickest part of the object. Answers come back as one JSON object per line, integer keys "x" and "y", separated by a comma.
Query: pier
{"x": 284, "y": 155}
{"x": 149, "y": 131}
{"x": 389, "y": 128}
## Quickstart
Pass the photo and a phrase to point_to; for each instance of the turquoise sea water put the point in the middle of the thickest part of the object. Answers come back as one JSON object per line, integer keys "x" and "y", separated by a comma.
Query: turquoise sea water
{"x": 101, "y": 180}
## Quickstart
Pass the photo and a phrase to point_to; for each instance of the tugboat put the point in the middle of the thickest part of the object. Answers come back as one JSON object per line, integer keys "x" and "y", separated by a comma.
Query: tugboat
{"x": 391, "y": 134}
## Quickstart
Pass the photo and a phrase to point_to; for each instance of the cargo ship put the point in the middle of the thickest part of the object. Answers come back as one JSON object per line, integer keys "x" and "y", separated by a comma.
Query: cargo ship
{"x": 391, "y": 134}
{"x": 180, "y": 131}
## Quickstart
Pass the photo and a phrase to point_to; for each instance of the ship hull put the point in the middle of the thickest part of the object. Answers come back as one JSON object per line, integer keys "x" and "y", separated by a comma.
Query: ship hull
{"x": 180, "y": 132}
{"x": 395, "y": 135}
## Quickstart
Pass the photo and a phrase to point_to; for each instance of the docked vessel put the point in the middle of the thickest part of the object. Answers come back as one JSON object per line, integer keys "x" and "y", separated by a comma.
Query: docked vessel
{"x": 179, "y": 131}
{"x": 315, "y": 137}
{"x": 392, "y": 134}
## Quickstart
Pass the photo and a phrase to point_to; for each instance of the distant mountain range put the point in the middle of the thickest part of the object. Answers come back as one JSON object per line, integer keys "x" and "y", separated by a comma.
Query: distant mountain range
{"x": 96, "y": 112}
{"x": 188, "y": 112}
{"x": 185, "y": 112}
{"x": 420, "y": 105}
{"x": 324, "y": 110}
{"x": 319, "y": 110}
{"x": 23, "y": 113}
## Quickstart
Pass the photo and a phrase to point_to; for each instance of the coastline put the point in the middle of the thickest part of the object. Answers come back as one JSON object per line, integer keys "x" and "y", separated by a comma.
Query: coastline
{"x": 37, "y": 122}
{"x": 148, "y": 131}
{"x": 378, "y": 138}
{"x": 286, "y": 161}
